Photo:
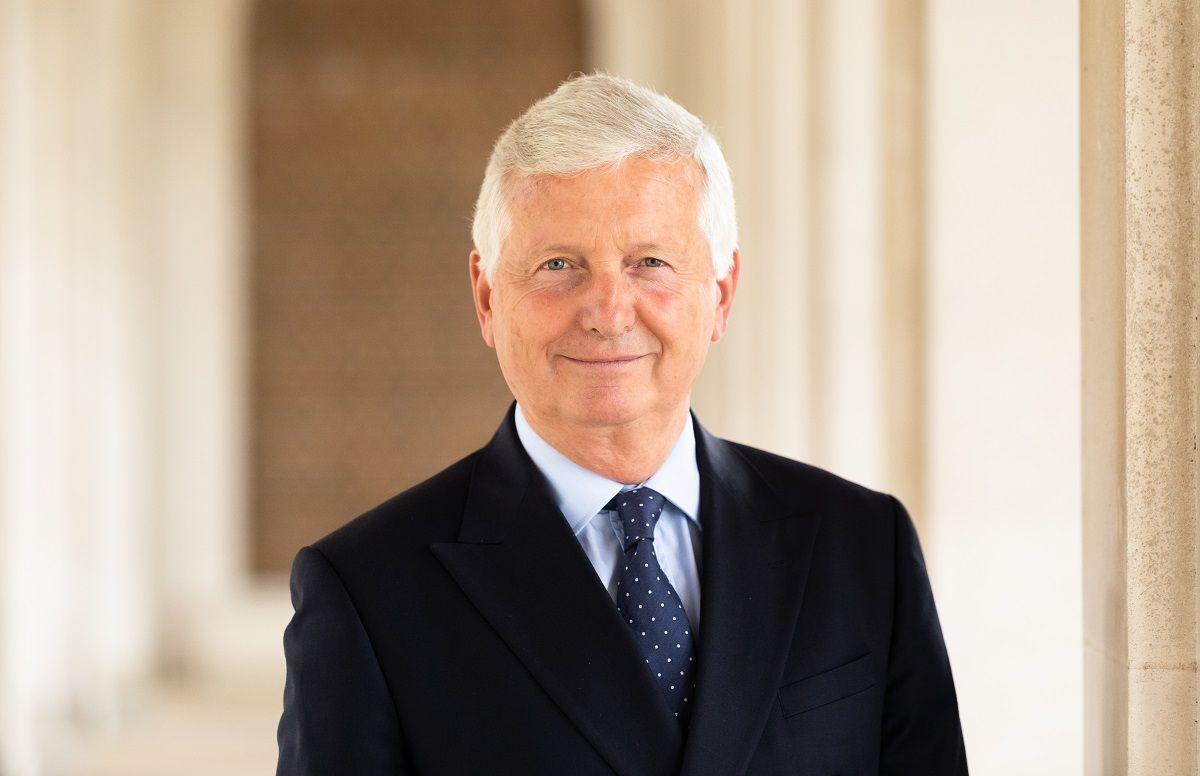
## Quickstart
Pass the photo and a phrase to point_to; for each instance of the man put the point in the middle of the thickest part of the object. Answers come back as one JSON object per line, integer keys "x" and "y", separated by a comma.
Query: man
{"x": 606, "y": 587}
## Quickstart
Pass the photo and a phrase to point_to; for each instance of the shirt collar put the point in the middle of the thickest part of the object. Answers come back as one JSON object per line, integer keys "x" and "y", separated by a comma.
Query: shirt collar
{"x": 582, "y": 493}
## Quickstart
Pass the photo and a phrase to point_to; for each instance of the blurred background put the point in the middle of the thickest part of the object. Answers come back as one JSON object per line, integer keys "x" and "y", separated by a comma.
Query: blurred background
{"x": 234, "y": 314}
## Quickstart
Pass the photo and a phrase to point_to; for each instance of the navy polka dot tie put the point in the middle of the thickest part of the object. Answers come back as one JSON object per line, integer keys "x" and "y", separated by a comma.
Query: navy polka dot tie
{"x": 649, "y": 604}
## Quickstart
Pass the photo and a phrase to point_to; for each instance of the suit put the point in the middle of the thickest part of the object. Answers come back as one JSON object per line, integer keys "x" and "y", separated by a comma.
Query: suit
{"x": 458, "y": 628}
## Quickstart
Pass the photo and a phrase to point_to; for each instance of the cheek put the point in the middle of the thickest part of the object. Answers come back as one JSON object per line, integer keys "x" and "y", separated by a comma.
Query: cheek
{"x": 676, "y": 318}
{"x": 537, "y": 318}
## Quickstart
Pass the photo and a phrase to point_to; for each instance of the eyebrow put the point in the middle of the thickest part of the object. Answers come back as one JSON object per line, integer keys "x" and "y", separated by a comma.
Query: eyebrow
{"x": 558, "y": 248}
{"x": 575, "y": 249}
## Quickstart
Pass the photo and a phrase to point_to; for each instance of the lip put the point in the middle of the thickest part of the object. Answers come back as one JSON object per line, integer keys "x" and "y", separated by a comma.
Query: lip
{"x": 605, "y": 362}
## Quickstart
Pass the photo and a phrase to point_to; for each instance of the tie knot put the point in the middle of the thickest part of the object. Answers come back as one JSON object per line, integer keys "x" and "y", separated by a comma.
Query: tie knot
{"x": 639, "y": 510}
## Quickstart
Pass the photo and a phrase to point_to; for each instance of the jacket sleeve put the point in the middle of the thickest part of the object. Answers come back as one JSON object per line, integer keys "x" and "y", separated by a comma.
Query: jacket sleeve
{"x": 921, "y": 730}
{"x": 338, "y": 714}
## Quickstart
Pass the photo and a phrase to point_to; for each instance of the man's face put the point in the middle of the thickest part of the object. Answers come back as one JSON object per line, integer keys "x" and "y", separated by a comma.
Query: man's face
{"x": 604, "y": 299}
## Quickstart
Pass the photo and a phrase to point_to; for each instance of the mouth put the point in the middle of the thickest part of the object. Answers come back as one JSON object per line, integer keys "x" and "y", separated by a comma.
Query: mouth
{"x": 602, "y": 362}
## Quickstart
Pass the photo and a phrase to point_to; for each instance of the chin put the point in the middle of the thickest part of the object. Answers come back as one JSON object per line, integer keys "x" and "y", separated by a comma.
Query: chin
{"x": 607, "y": 407}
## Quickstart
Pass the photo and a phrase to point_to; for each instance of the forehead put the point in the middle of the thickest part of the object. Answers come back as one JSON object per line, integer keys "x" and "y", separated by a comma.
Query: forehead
{"x": 638, "y": 200}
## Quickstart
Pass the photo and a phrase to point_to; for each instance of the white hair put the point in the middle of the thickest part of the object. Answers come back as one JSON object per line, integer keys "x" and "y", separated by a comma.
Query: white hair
{"x": 595, "y": 120}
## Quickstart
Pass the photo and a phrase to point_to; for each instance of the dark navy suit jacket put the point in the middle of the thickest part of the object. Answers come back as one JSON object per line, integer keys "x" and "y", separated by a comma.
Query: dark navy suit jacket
{"x": 459, "y": 628}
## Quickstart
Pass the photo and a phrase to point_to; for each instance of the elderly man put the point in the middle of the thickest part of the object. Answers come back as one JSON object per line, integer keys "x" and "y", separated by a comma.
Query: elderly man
{"x": 606, "y": 587}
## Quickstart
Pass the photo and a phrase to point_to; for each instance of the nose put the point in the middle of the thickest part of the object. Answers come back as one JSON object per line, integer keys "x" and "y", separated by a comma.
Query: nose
{"x": 608, "y": 309}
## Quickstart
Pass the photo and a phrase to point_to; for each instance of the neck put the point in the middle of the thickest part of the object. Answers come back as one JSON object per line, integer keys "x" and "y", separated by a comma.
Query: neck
{"x": 628, "y": 453}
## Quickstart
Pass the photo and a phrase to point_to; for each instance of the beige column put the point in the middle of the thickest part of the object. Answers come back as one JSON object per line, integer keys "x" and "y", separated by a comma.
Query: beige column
{"x": 203, "y": 535}
{"x": 77, "y": 451}
{"x": 121, "y": 426}
{"x": 903, "y": 250}
{"x": 1140, "y": 132}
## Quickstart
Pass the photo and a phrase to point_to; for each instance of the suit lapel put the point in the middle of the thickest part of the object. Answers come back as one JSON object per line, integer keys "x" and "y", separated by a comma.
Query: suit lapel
{"x": 756, "y": 559}
{"x": 523, "y": 569}
{"x": 517, "y": 560}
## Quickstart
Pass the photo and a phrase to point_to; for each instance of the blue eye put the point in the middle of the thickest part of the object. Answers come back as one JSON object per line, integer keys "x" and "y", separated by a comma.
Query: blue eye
{"x": 555, "y": 264}
{"x": 659, "y": 262}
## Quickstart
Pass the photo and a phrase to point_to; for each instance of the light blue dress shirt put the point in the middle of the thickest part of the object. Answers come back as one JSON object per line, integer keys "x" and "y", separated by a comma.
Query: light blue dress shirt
{"x": 581, "y": 495}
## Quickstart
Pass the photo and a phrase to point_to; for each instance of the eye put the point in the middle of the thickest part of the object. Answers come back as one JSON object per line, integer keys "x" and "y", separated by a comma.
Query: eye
{"x": 557, "y": 263}
{"x": 653, "y": 262}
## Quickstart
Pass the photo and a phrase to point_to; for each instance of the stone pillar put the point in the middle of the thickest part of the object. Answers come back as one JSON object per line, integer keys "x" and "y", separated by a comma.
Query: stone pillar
{"x": 202, "y": 317}
{"x": 77, "y": 447}
{"x": 121, "y": 437}
{"x": 903, "y": 249}
{"x": 1140, "y": 133}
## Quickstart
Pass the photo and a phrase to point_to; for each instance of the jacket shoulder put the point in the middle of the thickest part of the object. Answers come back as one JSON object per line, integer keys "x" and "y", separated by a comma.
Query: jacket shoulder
{"x": 802, "y": 485}
{"x": 429, "y": 511}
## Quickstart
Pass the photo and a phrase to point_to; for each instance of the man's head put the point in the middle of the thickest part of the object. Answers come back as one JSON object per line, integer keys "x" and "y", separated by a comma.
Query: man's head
{"x": 605, "y": 257}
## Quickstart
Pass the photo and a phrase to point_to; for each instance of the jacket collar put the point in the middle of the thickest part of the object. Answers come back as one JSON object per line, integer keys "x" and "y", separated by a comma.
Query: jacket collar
{"x": 518, "y": 561}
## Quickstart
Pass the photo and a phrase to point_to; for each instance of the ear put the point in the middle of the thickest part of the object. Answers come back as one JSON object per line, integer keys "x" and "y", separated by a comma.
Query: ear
{"x": 726, "y": 287}
{"x": 481, "y": 290}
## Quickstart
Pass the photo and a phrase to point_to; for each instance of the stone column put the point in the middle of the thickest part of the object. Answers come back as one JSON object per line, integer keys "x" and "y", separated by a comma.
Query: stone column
{"x": 1140, "y": 144}
{"x": 903, "y": 249}
{"x": 121, "y": 432}
{"x": 77, "y": 449}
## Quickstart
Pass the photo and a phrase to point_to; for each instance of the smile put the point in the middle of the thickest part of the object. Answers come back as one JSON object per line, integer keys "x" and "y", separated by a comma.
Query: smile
{"x": 601, "y": 363}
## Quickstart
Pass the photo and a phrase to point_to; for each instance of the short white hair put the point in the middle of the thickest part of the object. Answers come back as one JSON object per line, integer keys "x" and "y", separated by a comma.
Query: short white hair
{"x": 591, "y": 121}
